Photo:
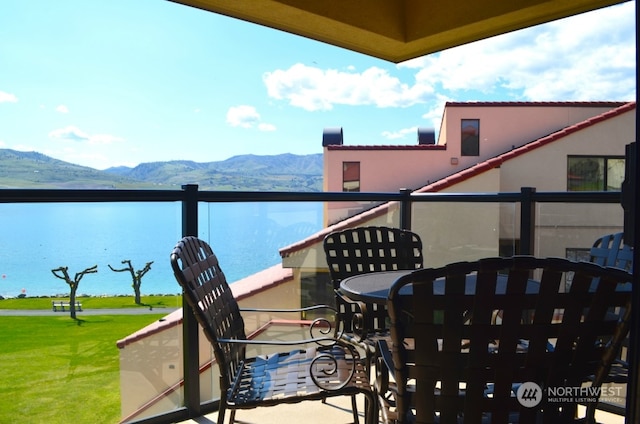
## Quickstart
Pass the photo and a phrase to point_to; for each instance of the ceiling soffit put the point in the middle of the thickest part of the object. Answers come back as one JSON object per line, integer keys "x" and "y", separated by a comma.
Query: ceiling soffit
{"x": 397, "y": 30}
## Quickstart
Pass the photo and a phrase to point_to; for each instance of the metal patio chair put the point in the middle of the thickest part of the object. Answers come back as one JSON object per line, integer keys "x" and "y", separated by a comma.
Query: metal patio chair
{"x": 453, "y": 362}
{"x": 321, "y": 369}
{"x": 362, "y": 250}
{"x": 610, "y": 250}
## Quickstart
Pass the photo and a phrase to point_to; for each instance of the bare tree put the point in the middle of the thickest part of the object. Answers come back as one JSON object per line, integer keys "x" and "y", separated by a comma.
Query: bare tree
{"x": 63, "y": 274}
{"x": 136, "y": 276}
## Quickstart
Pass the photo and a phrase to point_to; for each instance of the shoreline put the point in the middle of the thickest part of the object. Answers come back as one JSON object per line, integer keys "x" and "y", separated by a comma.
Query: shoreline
{"x": 86, "y": 296}
{"x": 106, "y": 311}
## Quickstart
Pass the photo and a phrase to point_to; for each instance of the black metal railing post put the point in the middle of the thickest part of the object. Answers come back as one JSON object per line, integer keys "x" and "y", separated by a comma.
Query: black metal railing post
{"x": 527, "y": 221}
{"x": 405, "y": 209}
{"x": 190, "y": 340}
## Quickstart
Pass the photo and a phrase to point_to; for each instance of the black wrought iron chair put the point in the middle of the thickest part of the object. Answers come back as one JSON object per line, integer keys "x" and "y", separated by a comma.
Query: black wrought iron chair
{"x": 454, "y": 362}
{"x": 324, "y": 368}
{"x": 361, "y": 250}
{"x": 610, "y": 250}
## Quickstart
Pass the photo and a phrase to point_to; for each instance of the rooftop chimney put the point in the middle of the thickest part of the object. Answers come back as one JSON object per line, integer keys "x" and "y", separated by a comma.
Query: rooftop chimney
{"x": 426, "y": 136}
{"x": 332, "y": 136}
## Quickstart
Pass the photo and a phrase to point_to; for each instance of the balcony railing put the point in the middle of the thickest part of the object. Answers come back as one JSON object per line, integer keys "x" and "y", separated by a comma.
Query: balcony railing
{"x": 526, "y": 222}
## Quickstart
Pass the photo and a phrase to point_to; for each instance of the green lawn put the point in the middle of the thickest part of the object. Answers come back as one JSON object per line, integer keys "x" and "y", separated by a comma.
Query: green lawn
{"x": 170, "y": 301}
{"x": 57, "y": 370}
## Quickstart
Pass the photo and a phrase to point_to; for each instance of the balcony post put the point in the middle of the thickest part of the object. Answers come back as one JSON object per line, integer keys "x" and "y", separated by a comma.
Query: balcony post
{"x": 405, "y": 209}
{"x": 190, "y": 340}
{"x": 633, "y": 385}
{"x": 527, "y": 220}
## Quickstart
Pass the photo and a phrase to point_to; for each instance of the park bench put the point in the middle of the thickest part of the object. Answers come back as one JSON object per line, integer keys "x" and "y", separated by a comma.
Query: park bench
{"x": 63, "y": 305}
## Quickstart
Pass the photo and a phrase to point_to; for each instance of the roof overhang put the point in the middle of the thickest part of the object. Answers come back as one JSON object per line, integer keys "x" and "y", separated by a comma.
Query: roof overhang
{"x": 398, "y": 30}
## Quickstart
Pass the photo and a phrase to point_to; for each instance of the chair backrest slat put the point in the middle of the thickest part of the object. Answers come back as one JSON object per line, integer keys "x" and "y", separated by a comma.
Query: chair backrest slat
{"x": 610, "y": 250}
{"x": 205, "y": 288}
{"x": 487, "y": 324}
{"x": 369, "y": 249}
{"x": 360, "y": 250}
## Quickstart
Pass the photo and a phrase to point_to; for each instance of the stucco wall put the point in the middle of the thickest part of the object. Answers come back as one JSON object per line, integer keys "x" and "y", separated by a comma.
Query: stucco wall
{"x": 501, "y": 127}
{"x": 452, "y": 232}
{"x": 562, "y": 226}
{"x": 152, "y": 365}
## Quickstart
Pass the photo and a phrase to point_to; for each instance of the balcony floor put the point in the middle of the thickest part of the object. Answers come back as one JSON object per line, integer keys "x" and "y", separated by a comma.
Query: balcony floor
{"x": 335, "y": 411}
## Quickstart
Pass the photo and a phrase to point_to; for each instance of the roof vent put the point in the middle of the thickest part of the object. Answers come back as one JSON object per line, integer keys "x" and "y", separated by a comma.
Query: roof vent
{"x": 426, "y": 136}
{"x": 332, "y": 136}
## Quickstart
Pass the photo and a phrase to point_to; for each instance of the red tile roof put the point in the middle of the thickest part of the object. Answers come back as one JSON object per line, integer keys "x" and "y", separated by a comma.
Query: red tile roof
{"x": 388, "y": 147}
{"x": 530, "y": 104}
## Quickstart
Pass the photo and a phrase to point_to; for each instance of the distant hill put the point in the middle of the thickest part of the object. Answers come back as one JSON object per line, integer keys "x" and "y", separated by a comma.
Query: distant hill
{"x": 285, "y": 172}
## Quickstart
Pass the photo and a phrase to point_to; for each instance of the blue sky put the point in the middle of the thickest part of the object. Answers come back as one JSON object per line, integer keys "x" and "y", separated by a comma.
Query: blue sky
{"x": 106, "y": 83}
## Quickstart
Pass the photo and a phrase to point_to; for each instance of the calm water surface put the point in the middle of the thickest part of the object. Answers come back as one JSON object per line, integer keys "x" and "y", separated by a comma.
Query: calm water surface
{"x": 36, "y": 238}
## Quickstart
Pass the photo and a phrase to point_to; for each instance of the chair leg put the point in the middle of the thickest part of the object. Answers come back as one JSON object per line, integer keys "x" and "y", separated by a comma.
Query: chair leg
{"x": 354, "y": 408}
{"x": 370, "y": 409}
{"x": 232, "y": 416}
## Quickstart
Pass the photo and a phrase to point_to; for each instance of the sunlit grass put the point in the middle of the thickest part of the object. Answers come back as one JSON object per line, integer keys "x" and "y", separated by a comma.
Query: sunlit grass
{"x": 57, "y": 370}
{"x": 32, "y": 303}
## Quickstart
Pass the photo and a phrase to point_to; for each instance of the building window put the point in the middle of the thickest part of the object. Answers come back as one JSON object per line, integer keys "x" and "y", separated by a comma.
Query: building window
{"x": 470, "y": 137}
{"x": 595, "y": 173}
{"x": 350, "y": 176}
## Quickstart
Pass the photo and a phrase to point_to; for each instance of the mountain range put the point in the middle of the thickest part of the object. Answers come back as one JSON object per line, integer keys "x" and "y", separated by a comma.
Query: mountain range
{"x": 284, "y": 172}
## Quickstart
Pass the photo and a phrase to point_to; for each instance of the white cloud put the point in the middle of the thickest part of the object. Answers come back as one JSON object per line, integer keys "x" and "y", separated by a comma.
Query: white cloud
{"x": 434, "y": 114}
{"x": 62, "y": 109}
{"x": 242, "y": 116}
{"x": 69, "y": 133}
{"x": 586, "y": 57}
{"x": 245, "y": 116}
{"x": 395, "y": 135}
{"x": 75, "y": 134}
{"x": 313, "y": 89}
{"x": 266, "y": 127}
{"x": 7, "y": 97}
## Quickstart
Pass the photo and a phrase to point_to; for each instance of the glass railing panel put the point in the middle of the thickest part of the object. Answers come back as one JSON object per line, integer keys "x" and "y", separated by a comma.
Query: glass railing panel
{"x": 144, "y": 374}
{"x": 569, "y": 230}
{"x": 39, "y": 237}
{"x": 247, "y": 238}
{"x": 339, "y": 211}
{"x": 463, "y": 231}
{"x": 271, "y": 251}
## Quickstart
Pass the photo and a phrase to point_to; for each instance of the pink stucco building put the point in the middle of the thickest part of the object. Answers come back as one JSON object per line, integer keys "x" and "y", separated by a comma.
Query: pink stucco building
{"x": 470, "y": 134}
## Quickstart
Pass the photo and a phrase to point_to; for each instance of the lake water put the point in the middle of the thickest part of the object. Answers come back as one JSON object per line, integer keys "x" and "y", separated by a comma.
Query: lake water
{"x": 36, "y": 238}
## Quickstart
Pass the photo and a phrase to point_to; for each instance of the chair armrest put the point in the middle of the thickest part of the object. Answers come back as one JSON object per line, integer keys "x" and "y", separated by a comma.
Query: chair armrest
{"x": 320, "y": 325}
{"x": 355, "y": 312}
{"x": 315, "y": 340}
{"x": 292, "y": 310}
{"x": 384, "y": 366}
